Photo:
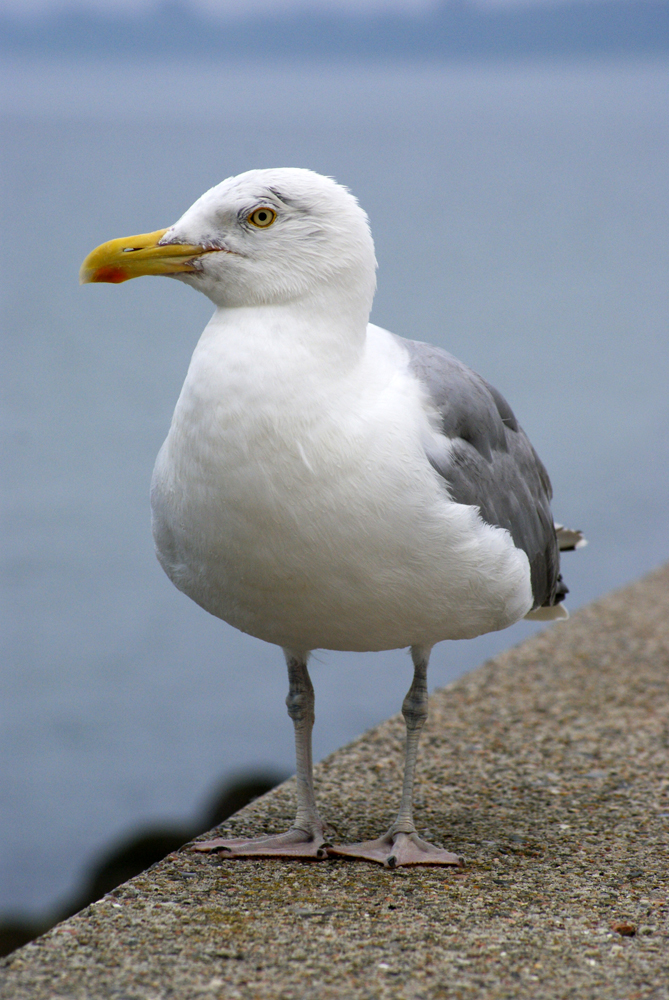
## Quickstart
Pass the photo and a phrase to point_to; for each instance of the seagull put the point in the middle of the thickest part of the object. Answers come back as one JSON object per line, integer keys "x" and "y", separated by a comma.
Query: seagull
{"x": 326, "y": 484}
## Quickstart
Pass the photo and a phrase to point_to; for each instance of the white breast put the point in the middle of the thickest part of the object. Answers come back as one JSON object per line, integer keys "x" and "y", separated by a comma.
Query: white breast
{"x": 298, "y": 504}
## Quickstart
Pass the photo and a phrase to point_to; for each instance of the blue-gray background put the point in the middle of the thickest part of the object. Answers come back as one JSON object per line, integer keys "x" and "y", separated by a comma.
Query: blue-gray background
{"x": 520, "y": 217}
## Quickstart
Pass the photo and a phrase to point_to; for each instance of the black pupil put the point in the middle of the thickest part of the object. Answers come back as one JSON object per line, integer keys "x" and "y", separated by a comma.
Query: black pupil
{"x": 262, "y": 216}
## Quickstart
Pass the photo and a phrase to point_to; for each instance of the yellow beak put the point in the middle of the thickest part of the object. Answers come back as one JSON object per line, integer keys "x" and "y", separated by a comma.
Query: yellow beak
{"x": 131, "y": 256}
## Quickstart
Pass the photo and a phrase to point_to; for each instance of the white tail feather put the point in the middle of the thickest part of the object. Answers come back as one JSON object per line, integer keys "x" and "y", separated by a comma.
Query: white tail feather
{"x": 551, "y": 613}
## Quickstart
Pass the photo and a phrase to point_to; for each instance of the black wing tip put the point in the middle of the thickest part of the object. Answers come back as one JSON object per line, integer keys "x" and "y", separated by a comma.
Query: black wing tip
{"x": 569, "y": 539}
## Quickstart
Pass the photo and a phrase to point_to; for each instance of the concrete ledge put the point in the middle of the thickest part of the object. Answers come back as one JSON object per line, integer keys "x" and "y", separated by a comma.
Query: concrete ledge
{"x": 546, "y": 767}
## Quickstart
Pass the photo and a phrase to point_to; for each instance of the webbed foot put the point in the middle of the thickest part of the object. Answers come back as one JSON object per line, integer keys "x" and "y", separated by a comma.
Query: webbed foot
{"x": 292, "y": 844}
{"x": 396, "y": 849}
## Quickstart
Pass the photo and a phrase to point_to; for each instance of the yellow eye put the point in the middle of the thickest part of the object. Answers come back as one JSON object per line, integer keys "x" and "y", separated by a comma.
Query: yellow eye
{"x": 262, "y": 217}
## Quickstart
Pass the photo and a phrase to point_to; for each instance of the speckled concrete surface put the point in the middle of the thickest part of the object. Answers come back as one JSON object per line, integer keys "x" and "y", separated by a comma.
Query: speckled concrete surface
{"x": 547, "y": 768}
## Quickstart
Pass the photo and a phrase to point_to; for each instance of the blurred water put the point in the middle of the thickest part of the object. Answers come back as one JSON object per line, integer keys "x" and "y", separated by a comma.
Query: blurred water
{"x": 520, "y": 215}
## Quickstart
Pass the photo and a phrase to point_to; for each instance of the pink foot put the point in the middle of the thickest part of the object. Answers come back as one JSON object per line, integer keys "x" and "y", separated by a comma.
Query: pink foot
{"x": 293, "y": 844}
{"x": 395, "y": 849}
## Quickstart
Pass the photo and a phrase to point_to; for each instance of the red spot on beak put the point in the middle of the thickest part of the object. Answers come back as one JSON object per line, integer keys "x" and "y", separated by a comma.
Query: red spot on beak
{"x": 112, "y": 274}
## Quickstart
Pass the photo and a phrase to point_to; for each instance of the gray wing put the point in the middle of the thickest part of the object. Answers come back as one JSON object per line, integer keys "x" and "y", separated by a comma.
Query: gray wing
{"x": 491, "y": 463}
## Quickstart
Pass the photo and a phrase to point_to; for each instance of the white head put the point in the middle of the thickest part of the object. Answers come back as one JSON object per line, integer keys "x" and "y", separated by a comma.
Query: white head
{"x": 263, "y": 237}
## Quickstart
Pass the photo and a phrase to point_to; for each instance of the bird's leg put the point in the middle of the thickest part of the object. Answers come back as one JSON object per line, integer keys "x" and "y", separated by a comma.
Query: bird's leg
{"x": 414, "y": 710}
{"x": 300, "y": 704}
{"x": 305, "y": 839}
{"x": 401, "y": 845}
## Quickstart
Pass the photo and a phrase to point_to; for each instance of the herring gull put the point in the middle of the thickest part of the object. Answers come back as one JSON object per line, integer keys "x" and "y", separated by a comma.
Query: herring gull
{"x": 325, "y": 483}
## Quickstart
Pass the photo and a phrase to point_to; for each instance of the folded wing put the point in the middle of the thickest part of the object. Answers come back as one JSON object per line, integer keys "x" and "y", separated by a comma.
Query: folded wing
{"x": 490, "y": 464}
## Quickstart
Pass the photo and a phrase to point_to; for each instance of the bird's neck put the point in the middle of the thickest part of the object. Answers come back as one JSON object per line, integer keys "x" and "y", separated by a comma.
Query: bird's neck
{"x": 318, "y": 330}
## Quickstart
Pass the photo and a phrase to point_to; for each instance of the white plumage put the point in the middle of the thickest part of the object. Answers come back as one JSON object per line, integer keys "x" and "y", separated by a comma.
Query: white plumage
{"x": 296, "y": 502}
{"x": 310, "y": 491}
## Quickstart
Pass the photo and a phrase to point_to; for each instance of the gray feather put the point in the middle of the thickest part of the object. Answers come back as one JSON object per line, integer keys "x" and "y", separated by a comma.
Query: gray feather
{"x": 491, "y": 463}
